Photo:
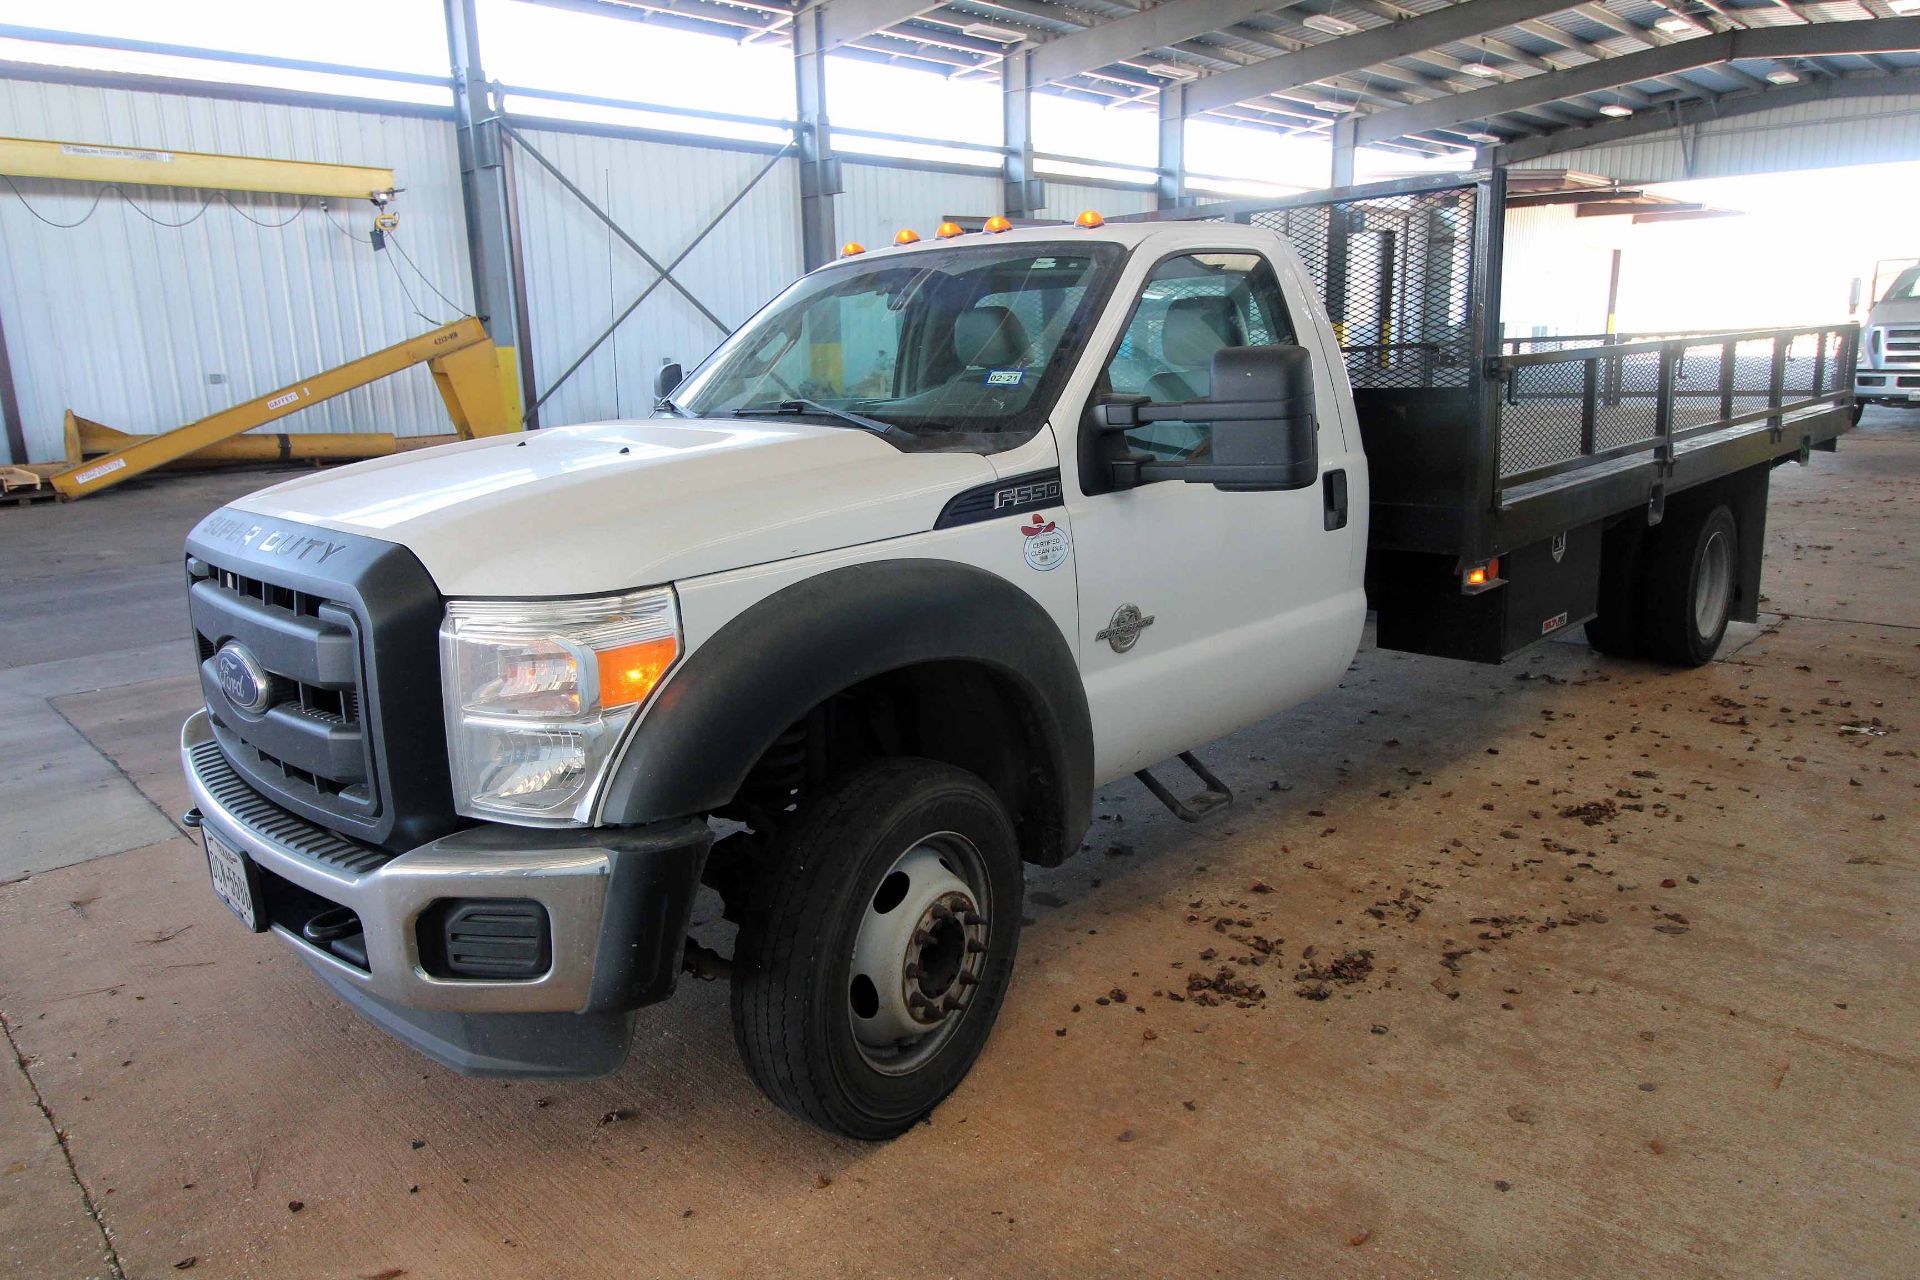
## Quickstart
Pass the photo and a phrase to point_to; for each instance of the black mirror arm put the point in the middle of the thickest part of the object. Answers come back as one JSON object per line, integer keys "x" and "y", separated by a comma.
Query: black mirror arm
{"x": 1134, "y": 411}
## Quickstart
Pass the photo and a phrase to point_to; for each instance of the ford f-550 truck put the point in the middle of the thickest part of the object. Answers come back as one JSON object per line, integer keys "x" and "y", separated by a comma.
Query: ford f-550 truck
{"x": 1889, "y": 371}
{"x": 948, "y": 535}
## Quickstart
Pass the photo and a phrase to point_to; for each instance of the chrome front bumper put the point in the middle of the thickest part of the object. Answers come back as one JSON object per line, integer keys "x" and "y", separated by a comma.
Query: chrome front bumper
{"x": 609, "y": 895}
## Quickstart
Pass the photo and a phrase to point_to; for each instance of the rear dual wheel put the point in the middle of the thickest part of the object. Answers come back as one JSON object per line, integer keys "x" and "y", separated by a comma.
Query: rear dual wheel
{"x": 1673, "y": 604}
{"x": 874, "y": 954}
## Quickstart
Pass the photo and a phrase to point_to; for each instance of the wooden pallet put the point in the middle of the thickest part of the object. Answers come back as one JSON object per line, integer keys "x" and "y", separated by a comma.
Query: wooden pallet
{"x": 21, "y": 485}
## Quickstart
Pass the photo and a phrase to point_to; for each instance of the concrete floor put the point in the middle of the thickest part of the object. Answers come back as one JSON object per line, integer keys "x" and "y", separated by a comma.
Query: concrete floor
{"x": 1627, "y": 988}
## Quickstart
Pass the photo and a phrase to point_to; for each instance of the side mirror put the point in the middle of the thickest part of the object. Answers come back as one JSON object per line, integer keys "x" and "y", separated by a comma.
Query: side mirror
{"x": 1264, "y": 432}
{"x": 1265, "y": 436}
{"x": 667, "y": 381}
{"x": 1853, "y": 296}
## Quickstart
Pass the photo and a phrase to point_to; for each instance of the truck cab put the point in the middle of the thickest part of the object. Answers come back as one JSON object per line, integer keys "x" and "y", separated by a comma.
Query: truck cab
{"x": 1889, "y": 371}
{"x": 947, "y": 536}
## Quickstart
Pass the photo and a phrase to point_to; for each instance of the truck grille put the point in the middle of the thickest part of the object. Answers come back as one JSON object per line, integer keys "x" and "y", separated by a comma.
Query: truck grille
{"x": 1900, "y": 348}
{"x": 308, "y": 742}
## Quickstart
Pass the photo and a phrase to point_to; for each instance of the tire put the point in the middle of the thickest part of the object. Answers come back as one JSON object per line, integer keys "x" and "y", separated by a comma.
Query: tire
{"x": 1614, "y": 634}
{"x": 825, "y": 970}
{"x": 1689, "y": 585}
{"x": 1859, "y": 407}
{"x": 1615, "y": 630}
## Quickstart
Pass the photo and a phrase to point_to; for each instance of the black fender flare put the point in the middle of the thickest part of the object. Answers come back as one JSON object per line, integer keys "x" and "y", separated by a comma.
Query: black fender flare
{"x": 769, "y": 666}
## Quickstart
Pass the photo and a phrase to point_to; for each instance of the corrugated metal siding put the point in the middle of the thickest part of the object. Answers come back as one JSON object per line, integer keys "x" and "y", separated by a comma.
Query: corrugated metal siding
{"x": 879, "y": 200}
{"x": 1555, "y": 269}
{"x": 580, "y": 276}
{"x": 1067, "y": 199}
{"x": 1813, "y": 135}
{"x": 124, "y": 321}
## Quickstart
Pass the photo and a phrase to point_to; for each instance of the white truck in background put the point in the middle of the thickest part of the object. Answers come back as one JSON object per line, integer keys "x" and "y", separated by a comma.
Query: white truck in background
{"x": 1889, "y": 371}
{"x": 944, "y": 538}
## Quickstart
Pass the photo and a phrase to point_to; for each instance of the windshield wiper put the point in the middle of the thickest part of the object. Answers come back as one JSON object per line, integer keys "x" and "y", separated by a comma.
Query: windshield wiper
{"x": 814, "y": 406}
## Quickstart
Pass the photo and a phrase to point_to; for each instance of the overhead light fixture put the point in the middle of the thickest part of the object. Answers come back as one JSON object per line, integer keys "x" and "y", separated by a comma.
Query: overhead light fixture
{"x": 1904, "y": 7}
{"x": 1332, "y": 105}
{"x": 987, "y": 31}
{"x": 1783, "y": 76}
{"x": 1328, "y": 23}
{"x": 1172, "y": 71}
{"x": 1486, "y": 139}
{"x": 1486, "y": 71}
{"x": 1615, "y": 110}
{"x": 1675, "y": 25}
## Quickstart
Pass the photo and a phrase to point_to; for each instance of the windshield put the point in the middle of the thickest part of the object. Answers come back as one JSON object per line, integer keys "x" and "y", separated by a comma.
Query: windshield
{"x": 1905, "y": 287}
{"x": 960, "y": 348}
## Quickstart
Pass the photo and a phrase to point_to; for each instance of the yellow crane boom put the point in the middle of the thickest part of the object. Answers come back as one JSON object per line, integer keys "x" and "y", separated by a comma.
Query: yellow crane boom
{"x": 467, "y": 369}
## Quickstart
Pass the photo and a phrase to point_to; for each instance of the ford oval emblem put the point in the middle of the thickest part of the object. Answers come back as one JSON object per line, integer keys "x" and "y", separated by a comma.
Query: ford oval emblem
{"x": 242, "y": 678}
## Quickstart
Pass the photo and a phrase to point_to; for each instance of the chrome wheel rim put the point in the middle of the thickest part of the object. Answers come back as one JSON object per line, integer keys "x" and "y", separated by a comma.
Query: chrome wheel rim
{"x": 1713, "y": 585}
{"x": 919, "y": 952}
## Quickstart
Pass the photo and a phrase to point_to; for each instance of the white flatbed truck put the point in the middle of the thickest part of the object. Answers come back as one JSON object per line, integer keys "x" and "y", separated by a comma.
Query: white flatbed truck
{"x": 944, "y": 538}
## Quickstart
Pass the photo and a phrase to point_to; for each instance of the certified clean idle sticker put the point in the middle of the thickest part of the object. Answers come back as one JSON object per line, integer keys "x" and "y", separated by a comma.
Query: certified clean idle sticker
{"x": 1047, "y": 544}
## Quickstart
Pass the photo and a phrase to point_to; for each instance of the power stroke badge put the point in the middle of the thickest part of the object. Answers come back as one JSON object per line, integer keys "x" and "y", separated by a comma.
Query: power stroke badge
{"x": 1046, "y": 544}
{"x": 1123, "y": 632}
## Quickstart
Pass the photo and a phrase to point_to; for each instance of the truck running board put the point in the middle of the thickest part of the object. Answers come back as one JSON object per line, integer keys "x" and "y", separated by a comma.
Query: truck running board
{"x": 1209, "y": 802}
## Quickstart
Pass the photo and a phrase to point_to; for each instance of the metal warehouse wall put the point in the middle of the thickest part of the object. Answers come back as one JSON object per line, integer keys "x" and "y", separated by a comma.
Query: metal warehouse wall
{"x": 879, "y": 200}
{"x": 125, "y": 322}
{"x": 1554, "y": 271}
{"x": 579, "y": 275}
{"x": 1067, "y": 199}
{"x": 1814, "y": 135}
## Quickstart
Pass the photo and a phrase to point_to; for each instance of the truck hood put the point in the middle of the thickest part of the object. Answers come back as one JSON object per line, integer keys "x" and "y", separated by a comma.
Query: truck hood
{"x": 613, "y": 505}
{"x": 1904, "y": 311}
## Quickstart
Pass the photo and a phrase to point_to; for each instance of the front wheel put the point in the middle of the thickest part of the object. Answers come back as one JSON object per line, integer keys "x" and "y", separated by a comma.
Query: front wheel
{"x": 875, "y": 952}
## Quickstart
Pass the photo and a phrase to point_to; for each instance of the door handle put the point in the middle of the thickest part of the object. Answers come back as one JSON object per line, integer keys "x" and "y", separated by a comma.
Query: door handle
{"x": 1333, "y": 490}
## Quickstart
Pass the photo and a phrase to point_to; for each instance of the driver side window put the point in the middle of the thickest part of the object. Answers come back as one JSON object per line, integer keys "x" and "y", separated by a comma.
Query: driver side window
{"x": 1190, "y": 307}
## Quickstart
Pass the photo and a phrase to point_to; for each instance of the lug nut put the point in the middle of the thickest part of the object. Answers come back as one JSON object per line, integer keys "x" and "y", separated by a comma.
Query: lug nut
{"x": 950, "y": 1005}
{"x": 940, "y": 911}
{"x": 968, "y": 979}
{"x": 972, "y": 918}
{"x": 913, "y": 970}
{"x": 921, "y": 937}
{"x": 975, "y": 946}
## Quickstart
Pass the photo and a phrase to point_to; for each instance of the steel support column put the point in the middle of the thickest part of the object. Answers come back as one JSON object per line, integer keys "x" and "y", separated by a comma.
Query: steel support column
{"x": 483, "y": 187}
{"x": 1025, "y": 194}
{"x": 813, "y": 138}
{"x": 1345, "y": 145}
{"x": 1172, "y": 182}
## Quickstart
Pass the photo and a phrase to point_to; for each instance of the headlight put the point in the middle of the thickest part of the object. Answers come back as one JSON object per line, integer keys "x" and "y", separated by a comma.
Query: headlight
{"x": 539, "y": 692}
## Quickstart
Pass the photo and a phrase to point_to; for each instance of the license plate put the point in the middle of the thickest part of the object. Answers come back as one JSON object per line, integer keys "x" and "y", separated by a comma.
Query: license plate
{"x": 233, "y": 879}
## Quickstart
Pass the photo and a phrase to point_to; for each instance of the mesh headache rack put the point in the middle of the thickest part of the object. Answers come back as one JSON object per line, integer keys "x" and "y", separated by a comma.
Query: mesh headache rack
{"x": 1478, "y": 444}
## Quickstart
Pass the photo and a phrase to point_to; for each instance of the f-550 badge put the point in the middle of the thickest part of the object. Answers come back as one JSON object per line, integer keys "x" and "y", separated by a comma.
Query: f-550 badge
{"x": 1047, "y": 544}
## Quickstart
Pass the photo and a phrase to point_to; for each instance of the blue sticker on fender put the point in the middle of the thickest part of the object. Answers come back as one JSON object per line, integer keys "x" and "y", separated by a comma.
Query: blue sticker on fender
{"x": 1005, "y": 377}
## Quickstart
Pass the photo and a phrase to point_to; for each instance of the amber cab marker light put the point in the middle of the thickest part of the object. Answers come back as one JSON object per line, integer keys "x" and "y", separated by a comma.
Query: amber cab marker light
{"x": 906, "y": 235}
{"x": 997, "y": 224}
{"x": 948, "y": 230}
{"x": 1477, "y": 577}
{"x": 1089, "y": 219}
{"x": 852, "y": 247}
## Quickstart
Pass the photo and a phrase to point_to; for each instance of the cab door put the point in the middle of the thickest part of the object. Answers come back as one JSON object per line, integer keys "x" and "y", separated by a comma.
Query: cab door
{"x": 1203, "y": 610}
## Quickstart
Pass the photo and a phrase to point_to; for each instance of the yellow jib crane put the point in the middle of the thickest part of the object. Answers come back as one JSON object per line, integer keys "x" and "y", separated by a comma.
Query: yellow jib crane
{"x": 476, "y": 378}
{"x": 465, "y": 366}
